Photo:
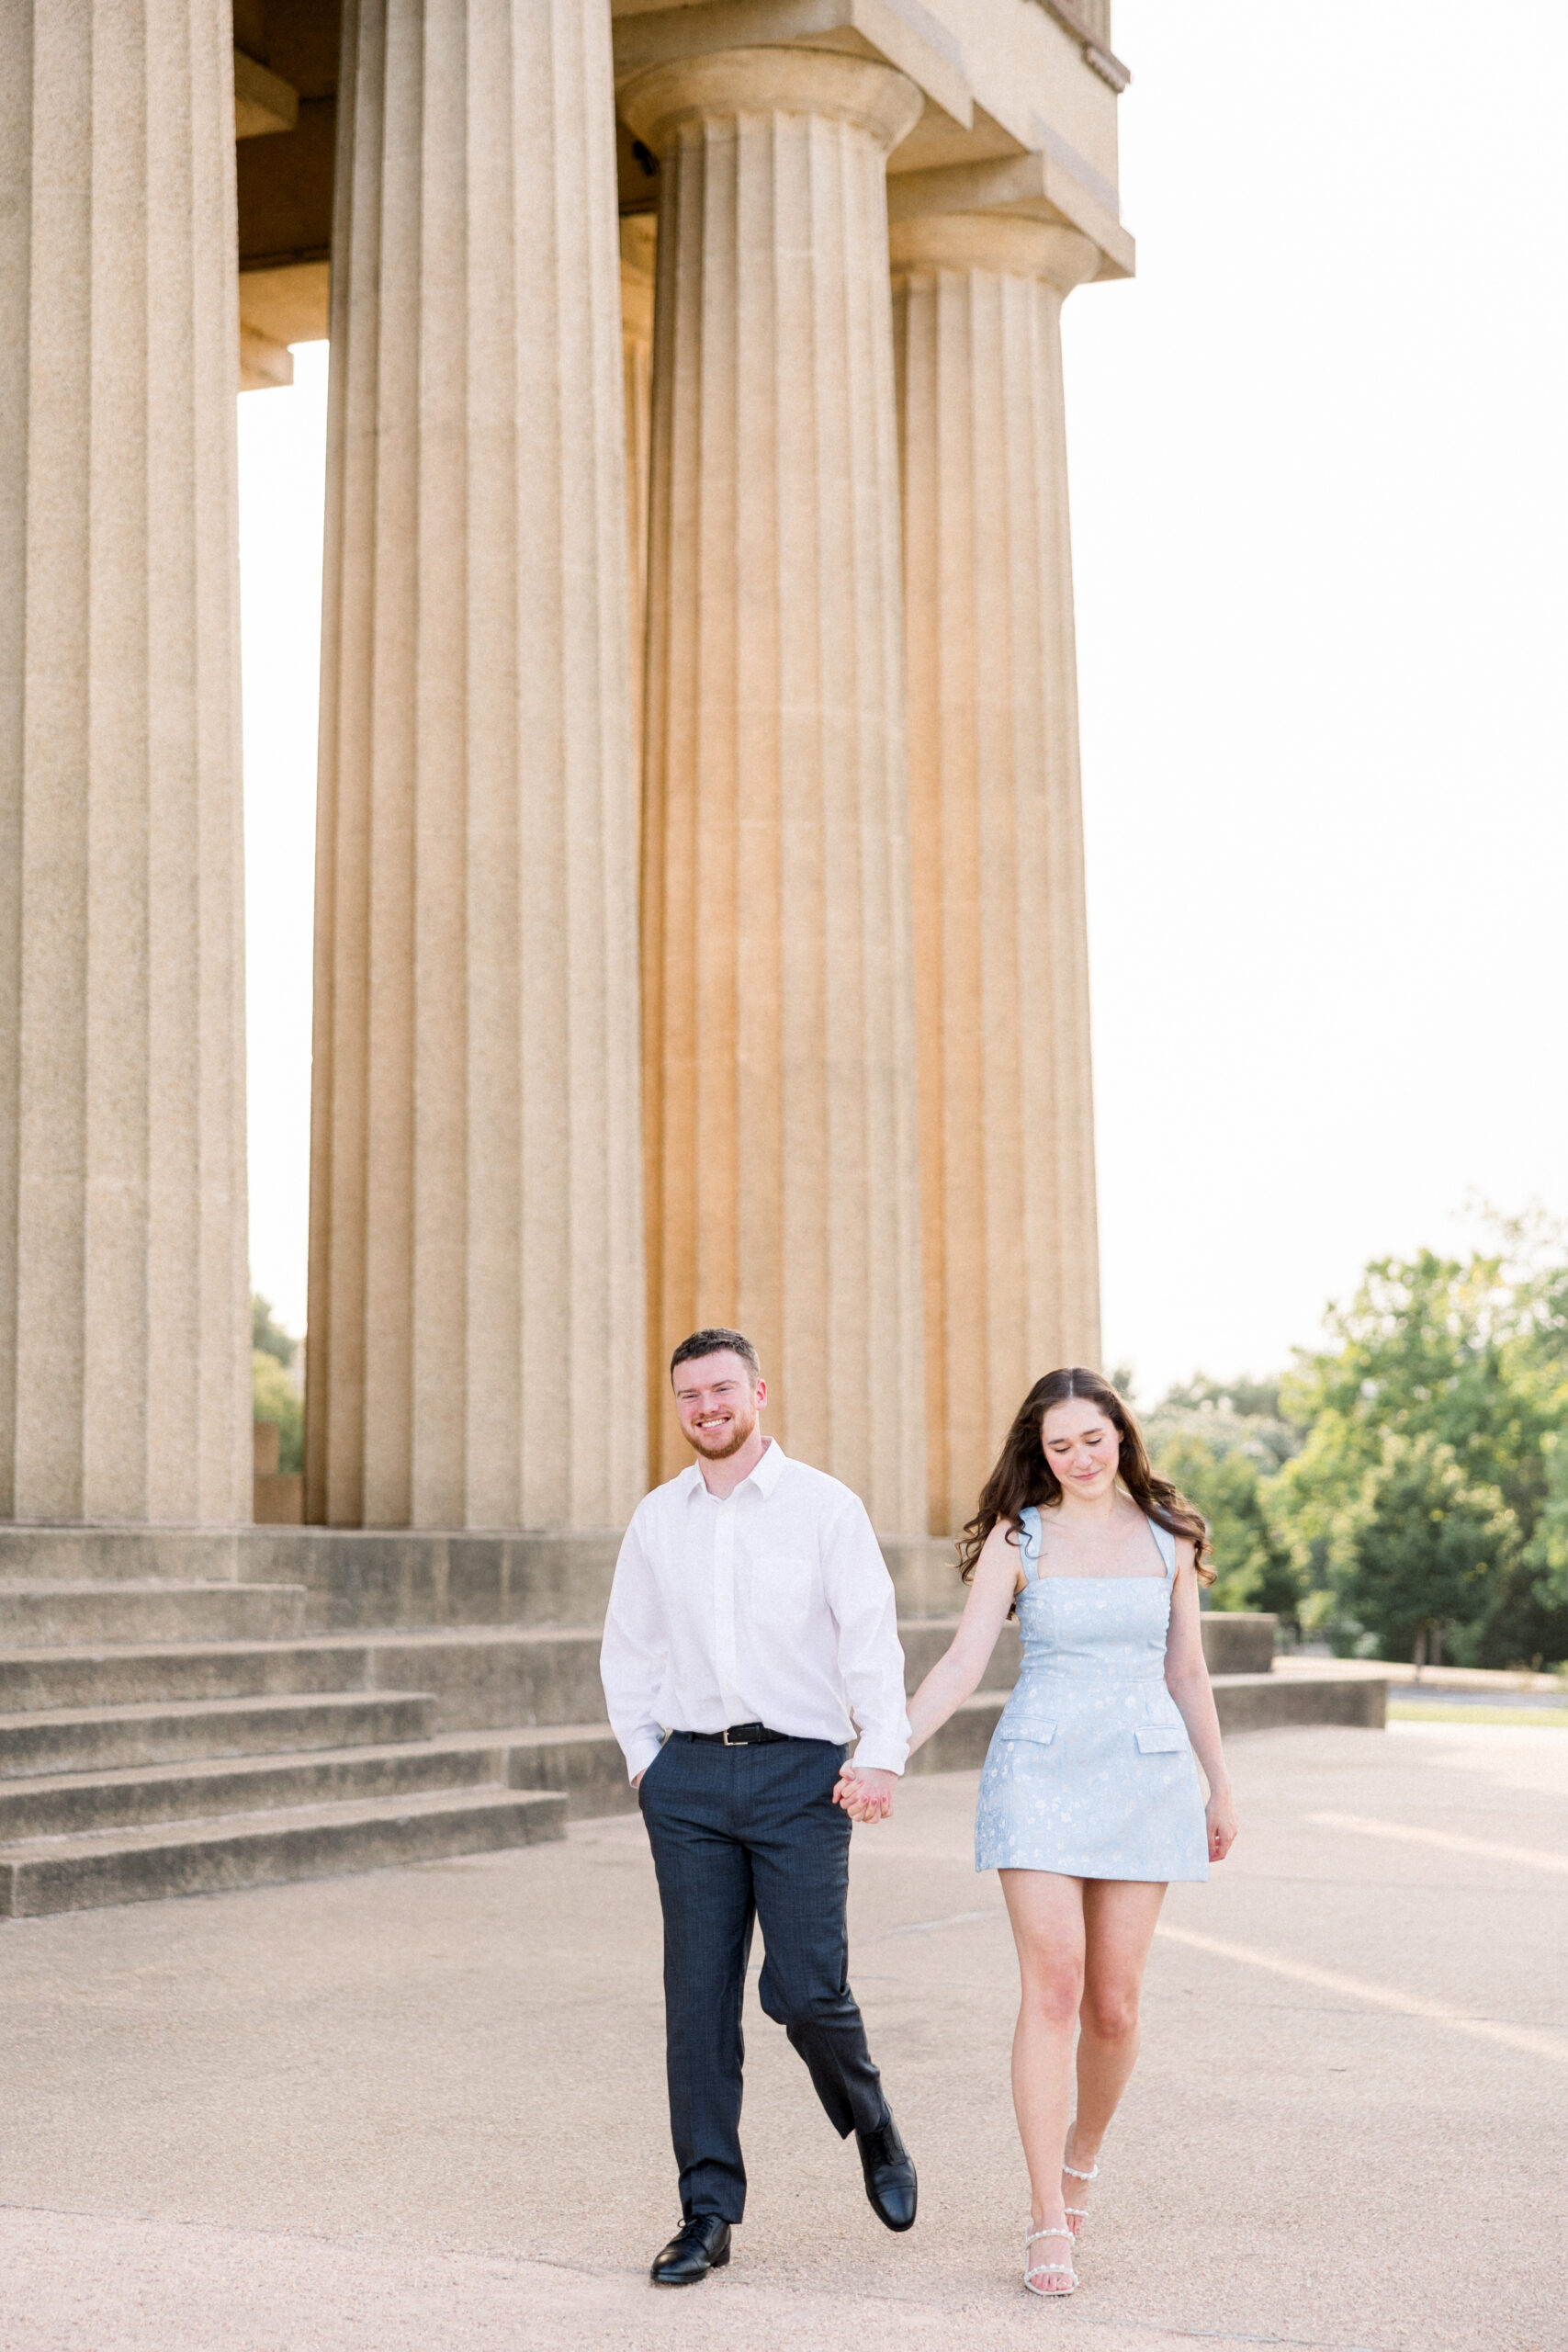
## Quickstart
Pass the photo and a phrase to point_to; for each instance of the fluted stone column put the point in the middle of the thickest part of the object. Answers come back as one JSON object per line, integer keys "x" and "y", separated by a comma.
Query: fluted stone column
{"x": 477, "y": 1299}
{"x": 124, "y": 1345}
{"x": 1000, "y": 959}
{"x": 779, "y": 1073}
{"x": 638, "y": 244}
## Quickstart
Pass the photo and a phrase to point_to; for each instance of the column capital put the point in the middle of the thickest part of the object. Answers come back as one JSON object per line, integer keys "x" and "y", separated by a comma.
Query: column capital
{"x": 1006, "y": 242}
{"x": 875, "y": 98}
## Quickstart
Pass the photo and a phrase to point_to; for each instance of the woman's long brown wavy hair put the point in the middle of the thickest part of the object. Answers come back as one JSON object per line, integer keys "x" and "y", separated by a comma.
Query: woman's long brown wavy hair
{"x": 1023, "y": 1475}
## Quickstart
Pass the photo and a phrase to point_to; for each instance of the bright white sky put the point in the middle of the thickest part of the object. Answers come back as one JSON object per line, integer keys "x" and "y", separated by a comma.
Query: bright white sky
{"x": 1321, "y": 535}
{"x": 283, "y": 440}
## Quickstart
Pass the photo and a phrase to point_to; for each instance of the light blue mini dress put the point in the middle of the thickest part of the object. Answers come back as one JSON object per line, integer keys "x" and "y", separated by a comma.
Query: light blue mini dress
{"x": 1089, "y": 1772}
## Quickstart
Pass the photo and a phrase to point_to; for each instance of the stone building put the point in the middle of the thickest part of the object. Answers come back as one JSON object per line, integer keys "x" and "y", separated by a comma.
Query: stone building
{"x": 700, "y": 925}
{"x": 695, "y": 417}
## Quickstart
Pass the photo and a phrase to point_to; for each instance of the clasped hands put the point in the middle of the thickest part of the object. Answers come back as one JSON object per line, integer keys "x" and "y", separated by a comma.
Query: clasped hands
{"x": 865, "y": 1794}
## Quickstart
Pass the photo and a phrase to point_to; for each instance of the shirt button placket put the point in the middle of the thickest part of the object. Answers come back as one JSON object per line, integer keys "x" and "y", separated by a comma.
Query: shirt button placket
{"x": 724, "y": 1607}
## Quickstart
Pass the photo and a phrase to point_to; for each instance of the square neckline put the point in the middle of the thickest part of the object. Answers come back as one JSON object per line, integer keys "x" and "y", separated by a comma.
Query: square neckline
{"x": 1034, "y": 1576}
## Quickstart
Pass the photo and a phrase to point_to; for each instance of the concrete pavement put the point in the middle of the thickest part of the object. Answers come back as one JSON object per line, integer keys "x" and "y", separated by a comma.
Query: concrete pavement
{"x": 424, "y": 2107}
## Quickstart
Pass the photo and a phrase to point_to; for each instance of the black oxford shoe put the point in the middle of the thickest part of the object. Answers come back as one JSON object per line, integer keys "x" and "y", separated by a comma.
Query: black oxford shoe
{"x": 698, "y": 2246}
{"x": 889, "y": 2176}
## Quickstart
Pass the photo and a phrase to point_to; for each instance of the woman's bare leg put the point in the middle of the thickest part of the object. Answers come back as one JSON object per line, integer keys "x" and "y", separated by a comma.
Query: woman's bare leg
{"x": 1047, "y": 1914}
{"x": 1119, "y": 1918}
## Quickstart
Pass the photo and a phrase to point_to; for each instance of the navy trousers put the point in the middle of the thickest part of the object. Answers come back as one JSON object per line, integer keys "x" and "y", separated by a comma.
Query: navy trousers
{"x": 741, "y": 1835}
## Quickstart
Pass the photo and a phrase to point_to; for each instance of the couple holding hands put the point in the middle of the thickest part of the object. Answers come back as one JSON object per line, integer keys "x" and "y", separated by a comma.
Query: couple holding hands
{"x": 751, "y": 1635}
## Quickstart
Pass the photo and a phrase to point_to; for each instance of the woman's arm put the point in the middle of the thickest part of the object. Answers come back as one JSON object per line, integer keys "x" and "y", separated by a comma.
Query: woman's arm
{"x": 1187, "y": 1680}
{"x": 997, "y": 1576}
{"x": 956, "y": 1674}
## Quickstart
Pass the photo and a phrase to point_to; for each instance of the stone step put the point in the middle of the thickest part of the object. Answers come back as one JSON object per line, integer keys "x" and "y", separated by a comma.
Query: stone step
{"x": 577, "y": 1766}
{"x": 496, "y": 1677}
{"x": 581, "y": 1762}
{"x": 371, "y": 1578}
{"x": 1269, "y": 1701}
{"x": 1239, "y": 1641}
{"x": 485, "y": 1677}
{"x": 134, "y": 1555}
{"x": 47, "y": 1610}
{"x": 482, "y": 1677}
{"x": 65, "y": 1804}
{"x": 584, "y": 1762}
{"x": 81, "y": 1872}
{"x": 368, "y": 1578}
{"x": 86, "y": 1739}
{"x": 502, "y": 1677}
{"x": 381, "y": 1579}
{"x": 131, "y": 1674}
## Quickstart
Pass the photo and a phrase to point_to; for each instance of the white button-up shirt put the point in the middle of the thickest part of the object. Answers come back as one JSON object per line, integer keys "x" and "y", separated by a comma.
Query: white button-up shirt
{"x": 770, "y": 1605}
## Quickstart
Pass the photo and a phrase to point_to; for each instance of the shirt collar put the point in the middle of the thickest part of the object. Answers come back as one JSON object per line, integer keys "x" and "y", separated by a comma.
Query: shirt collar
{"x": 770, "y": 1470}
{"x": 765, "y": 1477}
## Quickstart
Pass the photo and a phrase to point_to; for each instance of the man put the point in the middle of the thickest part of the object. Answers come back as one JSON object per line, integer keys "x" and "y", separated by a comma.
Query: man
{"x": 752, "y": 1617}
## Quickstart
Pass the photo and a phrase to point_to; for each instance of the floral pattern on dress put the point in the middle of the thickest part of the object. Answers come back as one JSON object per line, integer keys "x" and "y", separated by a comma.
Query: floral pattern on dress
{"x": 1091, "y": 1772}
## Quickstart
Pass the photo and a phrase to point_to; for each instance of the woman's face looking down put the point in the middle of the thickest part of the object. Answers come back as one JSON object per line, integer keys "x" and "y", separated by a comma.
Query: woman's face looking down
{"x": 1082, "y": 1448}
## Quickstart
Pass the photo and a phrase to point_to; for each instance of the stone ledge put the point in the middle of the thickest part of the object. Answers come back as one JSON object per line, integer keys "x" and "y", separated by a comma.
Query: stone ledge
{"x": 365, "y": 1578}
{"x": 146, "y": 1865}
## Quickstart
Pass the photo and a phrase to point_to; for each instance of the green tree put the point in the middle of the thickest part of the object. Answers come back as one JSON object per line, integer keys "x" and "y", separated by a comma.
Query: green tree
{"x": 275, "y": 1395}
{"x": 268, "y": 1335}
{"x": 1423, "y": 1556}
{"x": 1467, "y": 1355}
{"x": 1547, "y": 1553}
{"x": 1222, "y": 1442}
{"x": 1423, "y": 1351}
{"x": 1253, "y": 1400}
{"x": 1253, "y": 1569}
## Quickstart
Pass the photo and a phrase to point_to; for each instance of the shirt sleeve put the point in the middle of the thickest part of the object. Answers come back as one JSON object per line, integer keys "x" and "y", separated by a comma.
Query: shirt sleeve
{"x": 871, "y": 1656}
{"x": 633, "y": 1652}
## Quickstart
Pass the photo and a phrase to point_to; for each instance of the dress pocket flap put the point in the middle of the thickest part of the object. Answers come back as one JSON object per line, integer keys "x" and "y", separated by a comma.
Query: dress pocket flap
{"x": 1160, "y": 1739}
{"x": 1020, "y": 1727}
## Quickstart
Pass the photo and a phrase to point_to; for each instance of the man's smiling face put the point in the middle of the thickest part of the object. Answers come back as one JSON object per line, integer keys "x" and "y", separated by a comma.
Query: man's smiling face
{"x": 717, "y": 1403}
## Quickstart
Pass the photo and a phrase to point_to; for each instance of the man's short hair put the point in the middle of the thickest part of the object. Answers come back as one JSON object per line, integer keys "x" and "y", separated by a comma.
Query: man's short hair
{"x": 710, "y": 1344}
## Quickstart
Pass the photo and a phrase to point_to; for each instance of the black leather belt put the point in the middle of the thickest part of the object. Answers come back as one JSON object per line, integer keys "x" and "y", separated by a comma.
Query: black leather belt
{"x": 738, "y": 1735}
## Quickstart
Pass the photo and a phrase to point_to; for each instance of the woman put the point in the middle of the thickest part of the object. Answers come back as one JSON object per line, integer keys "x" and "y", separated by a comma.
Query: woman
{"x": 1090, "y": 1802}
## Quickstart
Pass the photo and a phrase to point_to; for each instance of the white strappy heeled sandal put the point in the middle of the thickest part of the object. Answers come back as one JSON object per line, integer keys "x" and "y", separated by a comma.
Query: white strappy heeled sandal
{"x": 1077, "y": 2214}
{"x": 1033, "y": 2270}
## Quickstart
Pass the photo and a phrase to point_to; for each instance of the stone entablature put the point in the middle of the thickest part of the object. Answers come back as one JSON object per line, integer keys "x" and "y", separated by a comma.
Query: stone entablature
{"x": 1001, "y": 85}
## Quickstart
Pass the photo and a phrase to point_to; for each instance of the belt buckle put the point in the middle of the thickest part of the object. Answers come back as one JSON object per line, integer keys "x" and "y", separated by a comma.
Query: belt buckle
{"x": 734, "y": 1743}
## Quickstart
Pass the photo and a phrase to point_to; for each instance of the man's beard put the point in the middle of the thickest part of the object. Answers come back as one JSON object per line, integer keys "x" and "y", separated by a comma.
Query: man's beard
{"x": 737, "y": 1438}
